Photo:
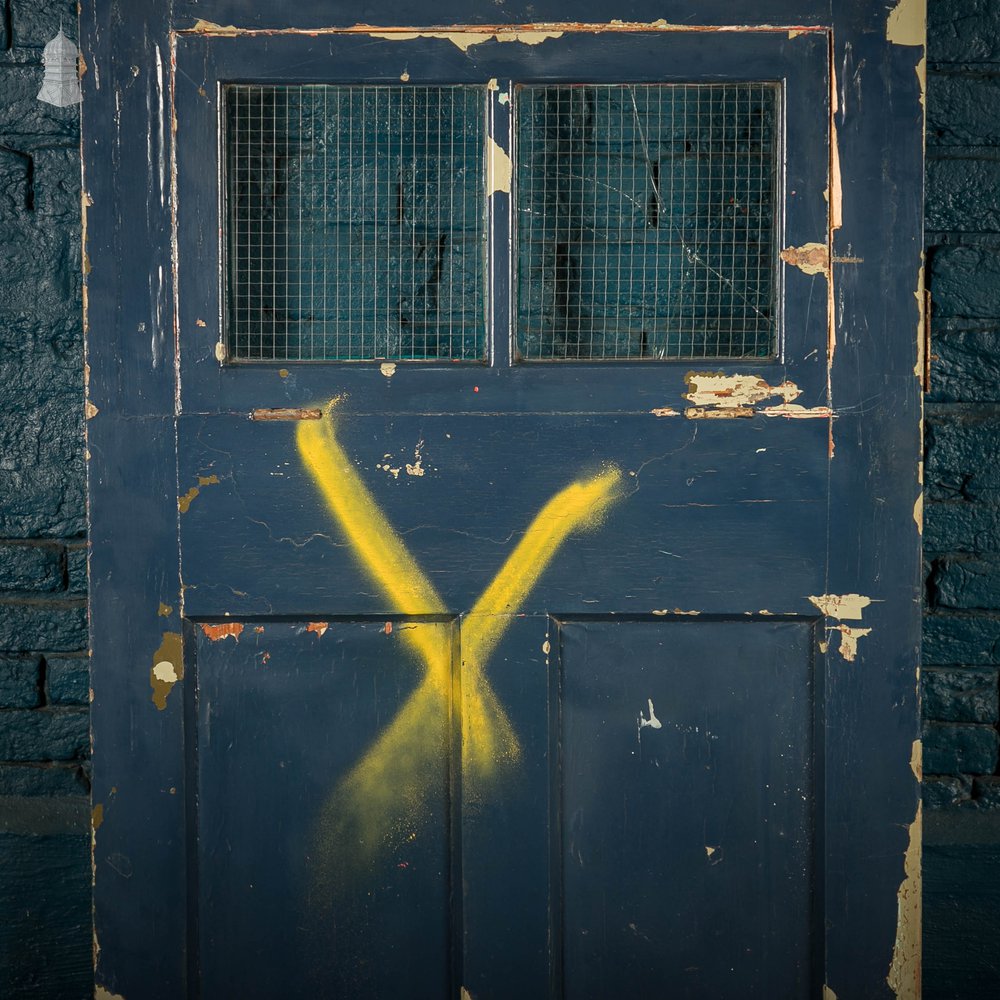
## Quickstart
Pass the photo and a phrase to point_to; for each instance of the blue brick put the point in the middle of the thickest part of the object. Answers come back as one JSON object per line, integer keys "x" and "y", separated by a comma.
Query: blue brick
{"x": 963, "y": 31}
{"x": 57, "y": 186}
{"x": 961, "y": 458}
{"x": 44, "y": 734}
{"x": 961, "y": 527}
{"x": 961, "y": 109}
{"x": 49, "y": 778}
{"x": 20, "y": 682}
{"x": 76, "y": 568}
{"x": 68, "y": 680}
{"x": 963, "y": 193}
{"x": 24, "y": 120}
{"x": 959, "y": 749}
{"x": 967, "y": 583}
{"x": 951, "y": 639}
{"x": 31, "y": 567}
{"x": 34, "y": 24}
{"x": 942, "y": 792}
{"x": 57, "y": 627}
{"x": 986, "y": 791}
{"x": 959, "y": 695}
{"x": 965, "y": 366}
{"x": 965, "y": 281}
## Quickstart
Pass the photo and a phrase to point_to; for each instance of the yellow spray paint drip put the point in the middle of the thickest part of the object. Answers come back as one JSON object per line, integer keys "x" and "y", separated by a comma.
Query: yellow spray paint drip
{"x": 387, "y": 788}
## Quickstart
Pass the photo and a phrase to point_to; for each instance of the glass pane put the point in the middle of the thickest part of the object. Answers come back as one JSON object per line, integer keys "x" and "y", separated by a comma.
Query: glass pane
{"x": 646, "y": 219}
{"x": 355, "y": 222}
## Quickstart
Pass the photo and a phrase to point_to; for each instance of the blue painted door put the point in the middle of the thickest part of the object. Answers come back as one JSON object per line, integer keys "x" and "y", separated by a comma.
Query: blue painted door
{"x": 535, "y": 614}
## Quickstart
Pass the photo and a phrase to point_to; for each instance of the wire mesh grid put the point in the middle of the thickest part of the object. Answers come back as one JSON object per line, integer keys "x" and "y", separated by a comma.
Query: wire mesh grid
{"x": 356, "y": 222}
{"x": 646, "y": 220}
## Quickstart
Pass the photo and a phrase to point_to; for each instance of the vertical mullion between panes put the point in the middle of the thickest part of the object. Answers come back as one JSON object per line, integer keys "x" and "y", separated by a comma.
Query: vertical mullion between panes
{"x": 499, "y": 340}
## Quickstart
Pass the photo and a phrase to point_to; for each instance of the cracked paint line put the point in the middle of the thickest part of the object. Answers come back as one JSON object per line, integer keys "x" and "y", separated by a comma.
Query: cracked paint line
{"x": 167, "y": 668}
{"x": 795, "y": 411}
{"x": 664, "y": 411}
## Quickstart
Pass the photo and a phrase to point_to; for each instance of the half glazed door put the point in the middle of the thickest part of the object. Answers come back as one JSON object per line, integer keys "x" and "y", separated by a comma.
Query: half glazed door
{"x": 535, "y": 587}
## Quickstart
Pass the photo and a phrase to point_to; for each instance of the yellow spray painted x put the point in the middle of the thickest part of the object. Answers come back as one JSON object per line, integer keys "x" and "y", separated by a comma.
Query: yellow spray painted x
{"x": 374, "y": 803}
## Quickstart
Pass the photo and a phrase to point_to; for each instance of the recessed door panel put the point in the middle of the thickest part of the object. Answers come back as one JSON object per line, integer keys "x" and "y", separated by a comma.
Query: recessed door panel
{"x": 686, "y": 759}
{"x": 323, "y": 770}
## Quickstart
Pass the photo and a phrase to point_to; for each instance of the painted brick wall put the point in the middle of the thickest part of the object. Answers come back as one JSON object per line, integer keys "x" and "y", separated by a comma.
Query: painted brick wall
{"x": 962, "y": 533}
{"x": 44, "y": 740}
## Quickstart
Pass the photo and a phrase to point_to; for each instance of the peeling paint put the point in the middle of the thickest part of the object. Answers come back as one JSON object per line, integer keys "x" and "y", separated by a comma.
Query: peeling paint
{"x": 416, "y": 468}
{"x": 918, "y": 512}
{"x": 904, "y": 970}
{"x": 164, "y": 610}
{"x": 718, "y": 395}
{"x": 917, "y": 759}
{"x": 100, "y": 993}
{"x": 202, "y": 27}
{"x": 220, "y": 352}
{"x": 795, "y": 411}
{"x": 286, "y": 413}
{"x": 676, "y": 611}
{"x": 388, "y": 369}
{"x": 665, "y": 411}
{"x": 499, "y": 169}
{"x": 223, "y": 630}
{"x": 653, "y": 722}
{"x": 920, "y": 367}
{"x": 849, "y": 606}
{"x": 466, "y": 39}
{"x": 184, "y": 502}
{"x": 828, "y": 994}
{"x": 318, "y": 627}
{"x": 90, "y": 411}
{"x": 849, "y": 640}
{"x": 810, "y": 258}
{"x": 97, "y": 817}
{"x": 921, "y": 70}
{"x": 907, "y": 23}
{"x": 167, "y": 668}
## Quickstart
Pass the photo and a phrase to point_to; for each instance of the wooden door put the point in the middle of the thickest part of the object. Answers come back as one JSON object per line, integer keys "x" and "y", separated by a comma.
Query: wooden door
{"x": 504, "y": 459}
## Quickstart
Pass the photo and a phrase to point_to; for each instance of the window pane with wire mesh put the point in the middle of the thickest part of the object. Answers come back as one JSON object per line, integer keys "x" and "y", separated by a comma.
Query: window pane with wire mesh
{"x": 355, "y": 222}
{"x": 646, "y": 221}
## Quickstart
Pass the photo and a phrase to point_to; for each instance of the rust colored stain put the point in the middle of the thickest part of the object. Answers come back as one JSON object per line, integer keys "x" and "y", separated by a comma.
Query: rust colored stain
{"x": 388, "y": 628}
{"x": 318, "y": 627}
{"x": 217, "y": 632}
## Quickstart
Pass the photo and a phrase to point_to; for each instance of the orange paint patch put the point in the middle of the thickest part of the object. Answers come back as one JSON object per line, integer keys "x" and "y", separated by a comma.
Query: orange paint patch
{"x": 217, "y": 632}
{"x": 318, "y": 627}
{"x": 388, "y": 628}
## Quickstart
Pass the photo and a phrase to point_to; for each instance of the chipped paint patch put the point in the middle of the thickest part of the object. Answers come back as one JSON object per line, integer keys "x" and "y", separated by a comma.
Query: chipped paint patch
{"x": 90, "y": 411}
{"x": 220, "y": 352}
{"x": 810, "y": 258}
{"x": 416, "y": 467}
{"x": 921, "y": 70}
{"x": 907, "y": 23}
{"x": 849, "y": 606}
{"x": 202, "y": 27}
{"x": 918, "y": 512}
{"x": 849, "y": 640}
{"x": 676, "y": 611}
{"x": 498, "y": 170}
{"x": 718, "y": 395}
{"x": 164, "y": 610}
{"x": 223, "y": 630}
{"x": 100, "y": 993}
{"x": 386, "y": 466}
{"x": 184, "y": 502}
{"x": 466, "y": 39}
{"x": 286, "y": 413}
{"x": 167, "y": 668}
{"x": 904, "y": 971}
{"x": 97, "y": 817}
{"x": 665, "y": 411}
{"x": 917, "y": 759}
{"x": 318, "y": 627}
{"x": 388, "y": 369}
{"x": 653, "y": 722}
{"x": 795, "y": 411}
{"x": 828, "y": 994}
{"x": 920, "y": 367}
